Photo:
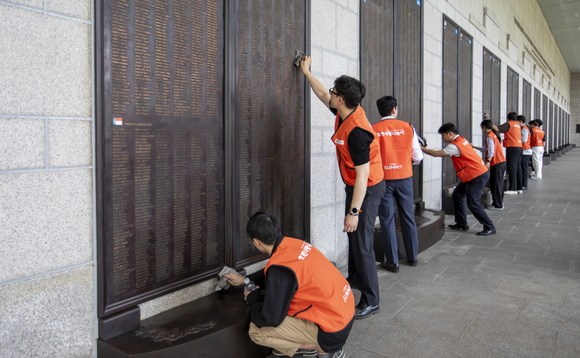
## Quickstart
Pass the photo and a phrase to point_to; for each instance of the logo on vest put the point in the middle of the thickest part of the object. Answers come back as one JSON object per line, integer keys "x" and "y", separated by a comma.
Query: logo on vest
{"x": 465, "y": 143}
{"x": 339, "y": 142}
{"x": 346, "y": 291}
{"x": 395, "y": 132}
{"x": 306, "y": 248}
{"x": 393, "y": 166}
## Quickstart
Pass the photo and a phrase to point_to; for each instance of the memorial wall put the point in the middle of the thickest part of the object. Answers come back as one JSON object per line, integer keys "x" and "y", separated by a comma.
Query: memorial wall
{"x": 201, "y": 123}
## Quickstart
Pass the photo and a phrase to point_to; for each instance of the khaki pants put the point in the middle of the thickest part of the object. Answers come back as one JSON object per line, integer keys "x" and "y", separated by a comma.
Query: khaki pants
{"x": 287, "y": 337}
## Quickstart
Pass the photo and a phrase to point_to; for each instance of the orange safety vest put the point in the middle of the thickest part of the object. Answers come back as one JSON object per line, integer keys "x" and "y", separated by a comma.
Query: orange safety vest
{"x": 396, "y": 142}
{"x": 469, "y": 164}
{"x": 527, "y": 145}
{"x": 537, "y": 135}
{"x": 513, "y": 137}
{"x": 340, "y": 139}
{"x": 323, "y": 296}
{"x": 498, "y": 156}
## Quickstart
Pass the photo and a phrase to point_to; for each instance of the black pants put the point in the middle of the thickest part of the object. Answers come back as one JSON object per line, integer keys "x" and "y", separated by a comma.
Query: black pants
{"x": 362, "y": 267}
{"x": 496, "y": 173}
{"x": 470, "y": 192}
{"x": 525, "y": 163}
{"x": 513, "y": 156}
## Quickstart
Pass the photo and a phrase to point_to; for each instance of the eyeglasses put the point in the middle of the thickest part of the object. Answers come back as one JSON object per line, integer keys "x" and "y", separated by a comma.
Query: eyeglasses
{"x": 330, "y": 90}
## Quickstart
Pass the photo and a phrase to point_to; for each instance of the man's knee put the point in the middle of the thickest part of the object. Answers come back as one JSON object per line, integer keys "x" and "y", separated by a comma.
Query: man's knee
{"x": 256, "y": 334}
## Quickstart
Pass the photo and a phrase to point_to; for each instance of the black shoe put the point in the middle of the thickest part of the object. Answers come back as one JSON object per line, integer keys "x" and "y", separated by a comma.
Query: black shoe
{"x": 412, "y": 262}
{"x": 363, "y": 310}
{"x": 299, "y": 353}
{"x": 486, "y": 232}
{"x": 390, "y": 267}
{"x": 461, "y": 227}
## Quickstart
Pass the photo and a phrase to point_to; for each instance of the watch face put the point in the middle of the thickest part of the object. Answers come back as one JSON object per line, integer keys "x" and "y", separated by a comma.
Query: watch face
{"x": 354, "y": 210}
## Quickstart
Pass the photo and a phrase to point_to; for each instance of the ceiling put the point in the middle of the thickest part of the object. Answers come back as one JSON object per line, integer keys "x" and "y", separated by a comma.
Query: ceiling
{"x": 563, "y": 17}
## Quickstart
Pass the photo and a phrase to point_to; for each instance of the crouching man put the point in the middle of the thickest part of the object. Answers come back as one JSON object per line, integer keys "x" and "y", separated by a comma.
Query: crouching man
{"x": 307, "y": 307}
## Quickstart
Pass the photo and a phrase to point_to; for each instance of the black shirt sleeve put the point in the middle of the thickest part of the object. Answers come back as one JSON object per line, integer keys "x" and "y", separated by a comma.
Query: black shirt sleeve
{"x": 270, "y": 309}
{"x": 359, "y": 145}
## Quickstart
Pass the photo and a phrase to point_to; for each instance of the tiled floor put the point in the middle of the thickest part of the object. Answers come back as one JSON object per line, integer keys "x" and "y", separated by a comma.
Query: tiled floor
{"x": 514, "y": 294}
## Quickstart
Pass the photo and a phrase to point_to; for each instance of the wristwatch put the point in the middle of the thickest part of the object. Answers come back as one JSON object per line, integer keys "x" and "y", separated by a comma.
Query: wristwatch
{"x": 354, "y": 211}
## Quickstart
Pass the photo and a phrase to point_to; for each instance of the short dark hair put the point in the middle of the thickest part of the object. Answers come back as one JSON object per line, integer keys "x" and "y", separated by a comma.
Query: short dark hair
{"x": 265, "y": 227}
{"x": 512, "y": 116}
{"x": 521, "y": 119}
{"x": 446, "y": 128}
{"x": 350, "y": 89}
{"x": 539, "y": 122}
{"x": 385, "y": 105}
{"x": 489, "y": 125}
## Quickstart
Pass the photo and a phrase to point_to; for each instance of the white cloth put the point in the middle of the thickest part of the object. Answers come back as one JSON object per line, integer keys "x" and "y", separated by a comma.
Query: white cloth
{"x": 538, "y": 160}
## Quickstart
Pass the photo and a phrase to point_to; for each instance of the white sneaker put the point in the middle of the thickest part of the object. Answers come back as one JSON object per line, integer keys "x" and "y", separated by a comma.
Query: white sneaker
{"x": 520, "y": 191}
{"x": 510, "y": 192}
{"x": 491, "y": 207}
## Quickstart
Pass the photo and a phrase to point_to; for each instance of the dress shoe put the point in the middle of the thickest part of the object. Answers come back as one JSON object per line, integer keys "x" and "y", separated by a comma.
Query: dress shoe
{"x": 412, "y": 262}
{"x": 363, "y": 310}
{"x": 461, "y": 227}
{"x": 390, "y": 267}
{"x": 486, "y": 232}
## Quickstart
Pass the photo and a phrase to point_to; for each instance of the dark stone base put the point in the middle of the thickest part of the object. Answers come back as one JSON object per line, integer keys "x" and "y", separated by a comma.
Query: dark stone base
{"x": 559, "y": 153}
{"x": 553, "y": 156}
{"x": 547, "y": 160}
{"x": 221, "y": 321}
{"x": 430, "y": 229}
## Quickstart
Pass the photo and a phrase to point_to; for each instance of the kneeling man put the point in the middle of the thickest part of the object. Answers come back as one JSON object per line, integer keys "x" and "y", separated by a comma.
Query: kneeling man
{"x": 307, "y": 307}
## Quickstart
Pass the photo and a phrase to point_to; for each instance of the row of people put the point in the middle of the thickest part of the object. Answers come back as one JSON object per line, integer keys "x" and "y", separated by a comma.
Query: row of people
{"x": 522, "y": 144}
{"x": 308, "y": 306}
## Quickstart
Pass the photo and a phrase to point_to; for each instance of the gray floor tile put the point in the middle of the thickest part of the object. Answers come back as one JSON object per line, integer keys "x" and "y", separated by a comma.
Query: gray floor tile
{"x": 431, "y": 344}
{"x": 567, "y": 346}
{"x": 530, "y": 290}
{"x": 551, "y": 317}
{"x": 504, "y": 268}
{"x": 487, "y": 302}
{"x": 539, "y": 261}
{"x": 508, "y": 335}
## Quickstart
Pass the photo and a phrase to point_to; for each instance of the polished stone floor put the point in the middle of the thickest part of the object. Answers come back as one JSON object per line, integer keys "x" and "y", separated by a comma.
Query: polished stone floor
{"x": 514, "y": 294}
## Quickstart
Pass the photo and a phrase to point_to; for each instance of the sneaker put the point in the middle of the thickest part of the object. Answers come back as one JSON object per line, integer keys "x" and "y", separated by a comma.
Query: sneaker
{"x": 510, "y": 192}
{"x": 491, "y": 207}
{"x": 299, "y": 353}
{"x": 520, "y": 191}
{"x": 339, "y": 354}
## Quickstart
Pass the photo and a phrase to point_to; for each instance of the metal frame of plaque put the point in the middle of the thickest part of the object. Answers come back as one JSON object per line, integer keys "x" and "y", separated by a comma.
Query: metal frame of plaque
{"x": 202, "y": 119}
{"x": 391, "y": 62}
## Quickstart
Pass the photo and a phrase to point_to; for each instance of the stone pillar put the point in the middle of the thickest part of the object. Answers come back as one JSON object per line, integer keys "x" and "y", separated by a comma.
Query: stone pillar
{"x": 46, "y": 179}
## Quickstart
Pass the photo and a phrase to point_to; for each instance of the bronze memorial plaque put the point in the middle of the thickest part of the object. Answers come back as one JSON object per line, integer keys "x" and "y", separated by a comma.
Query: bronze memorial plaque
{"x": 181, "y": 169}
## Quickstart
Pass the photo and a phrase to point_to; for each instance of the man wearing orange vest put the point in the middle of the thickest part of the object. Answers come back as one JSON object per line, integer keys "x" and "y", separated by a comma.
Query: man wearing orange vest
{"x": 513, "y": 151}
{"x": 399, "y": 150}
{"x": 359, "y": 162}
{"x": 496, "y": 163}
{"x": 537, "y": 144}
{"x": 473, "y": 174}
{"x": 526, "y": 153}
{"x": 307, "y": 307}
